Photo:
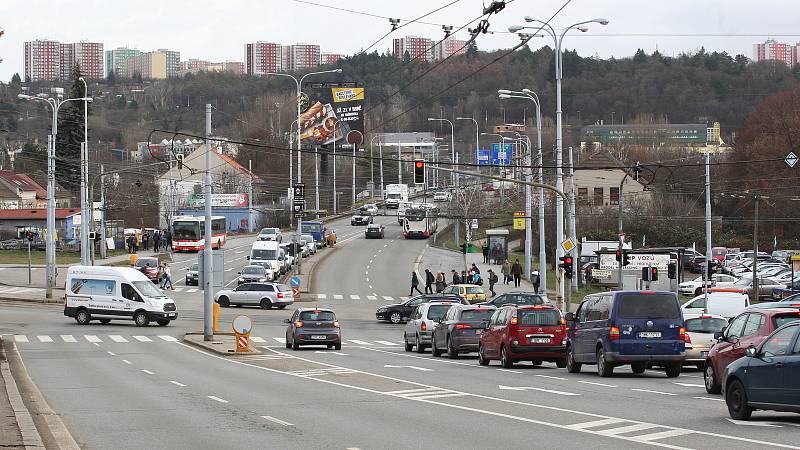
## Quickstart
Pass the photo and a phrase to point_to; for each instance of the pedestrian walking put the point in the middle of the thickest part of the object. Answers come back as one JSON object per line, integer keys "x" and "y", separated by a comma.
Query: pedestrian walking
{"x": 464, "y": 279}
{"x": 129, "y": 244}
{"x": 536, "y": 280}
{"x": 414, "y": 283}
{"x": 146, "y": 241}
{"x": 516, "y": 272}
{"x": 485, "y": 251}
{"x": 156, "y": 241}
{"x": 499, "y": 257}
{"x": 505, "y": 269}
{"x": 429, "y": 279}
{"x": 456, "y": 277}
{"x": 492, "y": 281}
{"x": 167, "y": 277}
{"x": 168, "y": 238}
{"x": 440, "y": 283}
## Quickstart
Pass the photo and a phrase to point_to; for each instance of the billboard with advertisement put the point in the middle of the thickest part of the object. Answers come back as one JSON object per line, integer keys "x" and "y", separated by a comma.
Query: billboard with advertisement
{"x": 220, "y": 200}
{"x": 332, "y": 112}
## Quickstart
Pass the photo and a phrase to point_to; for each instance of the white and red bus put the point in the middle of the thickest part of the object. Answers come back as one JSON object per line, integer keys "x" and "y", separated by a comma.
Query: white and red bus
{"x": 188, "y": 233}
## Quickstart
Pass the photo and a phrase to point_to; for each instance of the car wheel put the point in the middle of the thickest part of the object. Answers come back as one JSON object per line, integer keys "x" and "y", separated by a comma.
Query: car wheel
{"x": 162, "y": 323}
{"x": 452, "y": 353}
{"x": 141, "y": 319}
{"x": 736, "y": 398}
{"x": 395, "y": 318}
{"x": 282, "y": 307}
{"x": 482, "y": 360}
{"x": 83, "y": 317}
{"x": 288, "y": 345}
{"x": 420, "y": 347}
{"x": 434, "y": 350}
{"x": 505, "y": 361}
{"x": 698, "y": 291}
{"x": 337, "y": 346}
{"x": 709, "y": 378}
{"x": 572, "y": 366}
{"x": 673, "y": 370}
{"x": 295, "y": 345}
{"x": 638, "y": 367}
{"x": 604, "y": 368}
{"x": 223, "y": 302}
{"x": 105, "y": 321}
{"x": 266, "y": 303}
{"x": 408, "y": 347}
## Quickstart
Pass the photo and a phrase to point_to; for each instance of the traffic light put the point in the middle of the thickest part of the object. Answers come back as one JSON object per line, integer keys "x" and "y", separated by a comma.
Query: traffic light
{"x": 419, "y": 171}
{"x": 645, "y": 274}
{"x": 29, "y": 236}
{"x": 672, "y": 271}
{"x": 626, "y": 258}
{"x": 653, "y": 273}
{"x": 712, "y": 267}
{"x": 179, "y": 159}
{"x": 463, "y": 248}
{"x": 649, "y": 273}
{"x": 566, "y": 264}
{"x": 618, "y": 255}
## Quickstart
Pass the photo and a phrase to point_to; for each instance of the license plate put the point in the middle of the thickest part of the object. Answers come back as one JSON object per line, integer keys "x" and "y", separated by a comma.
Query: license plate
{"x": 319, "y": 336}
{"x": 650, "y": 334}
{"x": 540, "y": 340}
{"x": 170, "y": 315}
{"x": 703, "y": 354}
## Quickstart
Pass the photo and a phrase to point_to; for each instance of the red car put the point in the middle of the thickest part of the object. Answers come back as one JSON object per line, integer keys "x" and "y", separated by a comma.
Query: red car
{"x": 149, "y": 267}
{"x": 748, "y": 329}
{"x": 535, "y": 333}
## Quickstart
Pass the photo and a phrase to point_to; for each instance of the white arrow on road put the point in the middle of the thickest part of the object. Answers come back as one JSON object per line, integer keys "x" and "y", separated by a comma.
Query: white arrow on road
{"x": 529, "y": 388}
{"x": 408, "y": 367}
{"x": 332, "y": 353}
{"x": 753, "y": 424}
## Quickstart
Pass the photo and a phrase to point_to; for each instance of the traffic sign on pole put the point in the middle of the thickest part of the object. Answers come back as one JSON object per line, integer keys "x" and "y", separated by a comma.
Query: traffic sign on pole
{"x": 474, "y": 225}
{"x": 519, "y": 220}
{"x": 295, "y": 282}
{"x": 791, "y": 159}
{"x": 242, "y": 325}
{"x": 567, "y": 245}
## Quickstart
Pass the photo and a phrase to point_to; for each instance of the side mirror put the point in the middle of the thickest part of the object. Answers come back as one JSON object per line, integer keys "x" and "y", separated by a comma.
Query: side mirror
{"x": 719, "y": 336}
{"x": 287, "y": 321}
{"x": 569, "y": 317}
{"x": 248, "y": 257}
{"x": 238, "y": 273}
{"x": 751, "y": 352}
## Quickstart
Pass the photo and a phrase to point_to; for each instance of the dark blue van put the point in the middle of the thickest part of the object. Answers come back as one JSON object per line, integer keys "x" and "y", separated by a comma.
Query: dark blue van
{"x": 627, "y": 327}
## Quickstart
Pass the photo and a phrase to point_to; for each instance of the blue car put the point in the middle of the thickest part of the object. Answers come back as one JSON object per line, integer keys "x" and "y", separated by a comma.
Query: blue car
{"x": 792, "y": 301}
{"x": 768, "y": 377}
{"x": 640, "y": 328}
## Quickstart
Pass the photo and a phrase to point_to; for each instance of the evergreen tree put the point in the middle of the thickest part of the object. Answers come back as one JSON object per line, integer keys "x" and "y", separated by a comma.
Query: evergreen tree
{"x": 70, "y": 136}
{"x": 111, "y": 79}
{"x": 16, "y": 80}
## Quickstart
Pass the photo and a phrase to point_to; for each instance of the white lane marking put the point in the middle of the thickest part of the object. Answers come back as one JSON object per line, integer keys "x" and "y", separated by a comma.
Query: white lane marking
{"x": 337, "y": 297}
{"x": 357, "y": 342}
{"x": 192, "y": 290}
{"x": 368, "y": 264}
{"x": 21, "y": 338}
{"x": 126, "y": 361}
{"x": 281, "y": 340}
{"x": 387, "y": 343}
{"x": 260, "y": 340}
{"x": 322, "y": 296}
{"x": 531, "y": 388}
{"x": 386, "y": 245}
{"x": 595, "y": 423}
{"x": 229, "y": 269}
{"x": 92, "y": 338}
{"x": 148, "y": 372}
{"x": 375, "y": 255}
{"x": 653, "y": 392}
{"x": 661, "y": 435}
{"x": 551, "y": 377}
{"x": 428, "y": 397}
{"x": 240, "y": 252}
{"x": 111, "y": 353}
{"x": 278, "y": 421}
{"x": 711, "y": 398}
{"x": 177, "y": 384}
{"x": 509, "y": 370}
{"x": 597, "y": 384}
{"x": 421, "y": 369}
{"x": 387, "y": 298}
{"x": 404, "y": 298}
{"x": 628, "y": 429}
{"x": 178, "y": 289}
{"x": 689, "y": 384}
{"x": 168, "y": 338}
{"x": 45, "y": 338}
{"x": 117, "y": 338}
{"x": 366, "y": 272}
{"x": 354, "y": 297}
{"x": 142, "y": 338}
{"x": 217, "y": 399}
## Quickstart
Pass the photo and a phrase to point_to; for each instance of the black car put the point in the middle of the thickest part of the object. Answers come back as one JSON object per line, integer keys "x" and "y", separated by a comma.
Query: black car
{"x": 517, "y": 298}
{"x": 399, "y": 312}
{"x": 374, "y": 231}
{"x": 192, "y": 277}
{"x": 362, "y": 217}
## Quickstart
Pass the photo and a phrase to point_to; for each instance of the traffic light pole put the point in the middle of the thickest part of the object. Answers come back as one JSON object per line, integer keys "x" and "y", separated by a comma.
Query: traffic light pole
{"x": 619, "y": 230}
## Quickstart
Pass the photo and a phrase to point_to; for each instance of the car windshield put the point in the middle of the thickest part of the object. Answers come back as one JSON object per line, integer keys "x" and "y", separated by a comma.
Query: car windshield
{"x": 648, "y": 306}
{"x": 311, "y": 227}
{"x": 474, "y": 290}
{"x": 146, "y": 262}
{"x": 269, "y": 231}
{"x": 783, "y": 319}
{"x": 262, "y": 254}
{"x": 706, "y": 324}
{"x": 253, "y": 270}
{"x": 148, "y": 289}
{"x": 308, "y": 238}
{"x": 195, "y": 267}
{"x": 546, "y": 317}
{"x": 476, "y": 314}
{"x": 317, "y": 316}
{"x": 436, "y": 312}
{"x": 523, "y": 299}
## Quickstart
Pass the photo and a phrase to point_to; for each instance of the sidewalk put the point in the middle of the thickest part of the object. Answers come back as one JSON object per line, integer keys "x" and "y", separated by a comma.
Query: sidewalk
{"x": 500, "y": 287}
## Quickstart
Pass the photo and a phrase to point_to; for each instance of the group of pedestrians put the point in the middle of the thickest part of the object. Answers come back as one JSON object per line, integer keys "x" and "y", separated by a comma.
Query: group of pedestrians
{"x": 436, "y": 282}
{"x": 511, "y": 272}
{"x": 161, "y": 240}
{"x": 493, "y": 255}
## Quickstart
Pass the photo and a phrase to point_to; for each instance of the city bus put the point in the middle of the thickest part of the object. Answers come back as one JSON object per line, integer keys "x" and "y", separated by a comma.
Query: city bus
{"x": 419, "y": 223}
{"x": 188, "y": 233}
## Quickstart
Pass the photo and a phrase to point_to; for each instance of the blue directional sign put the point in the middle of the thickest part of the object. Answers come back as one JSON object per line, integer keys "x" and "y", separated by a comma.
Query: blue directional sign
{"x": 501, "y": 154}
{"x": 295, "y": 282}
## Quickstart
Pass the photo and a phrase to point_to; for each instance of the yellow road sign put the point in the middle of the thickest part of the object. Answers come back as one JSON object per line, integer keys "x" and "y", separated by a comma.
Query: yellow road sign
{"x": 519, "y": 220}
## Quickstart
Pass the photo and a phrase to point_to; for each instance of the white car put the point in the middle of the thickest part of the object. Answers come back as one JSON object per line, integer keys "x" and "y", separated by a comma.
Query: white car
{"x": 695, "y": 287}
{"x": 725, "y": 304}
{"x": 371, "y": 209}
{"x": 270, "y": 234}
{"x": 312, "y": 246}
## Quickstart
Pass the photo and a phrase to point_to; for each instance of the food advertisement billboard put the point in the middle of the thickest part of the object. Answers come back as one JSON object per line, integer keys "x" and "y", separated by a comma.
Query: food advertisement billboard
{"x": 332, "y": 112}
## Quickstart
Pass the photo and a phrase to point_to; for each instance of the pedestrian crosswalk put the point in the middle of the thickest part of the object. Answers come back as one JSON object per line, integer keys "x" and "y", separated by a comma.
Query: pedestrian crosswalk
{"x": 318, "y": 296}
{"x": 149, "y": 339}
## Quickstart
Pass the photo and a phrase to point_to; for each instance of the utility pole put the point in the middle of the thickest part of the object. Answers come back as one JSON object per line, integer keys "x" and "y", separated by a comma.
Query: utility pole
{"x": 353, "y": 204}
{"x": 208, "y": 273}
{"x": 707, "y": 273}
{"x": 335, "y": 197}
{"x": 380, "y": 157}
{"x": 619, "y": 230}
{"x": 250, "y": 196}
{"x": 755, "y": 252}
{"x": 572, "y": 226}
{"x": 104, "y": 212}
{"x": 86, "y": 206}
{"x": 316, "y": 179}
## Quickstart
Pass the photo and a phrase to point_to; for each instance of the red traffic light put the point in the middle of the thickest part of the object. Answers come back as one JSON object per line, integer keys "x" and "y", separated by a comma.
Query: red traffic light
{"x": 419, "y": 164}
{"x": 568, "y": 260}
{"x": 654, "y": 270}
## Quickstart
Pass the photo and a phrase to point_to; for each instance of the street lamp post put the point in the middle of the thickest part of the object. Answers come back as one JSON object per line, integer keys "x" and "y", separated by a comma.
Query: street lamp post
{"x": 50, "y": 242}
{"x": 557, "y": 40}
{"x": 85, "y": 205}
{"x": 477, "y": 133}
{"x": 454, "y": 180}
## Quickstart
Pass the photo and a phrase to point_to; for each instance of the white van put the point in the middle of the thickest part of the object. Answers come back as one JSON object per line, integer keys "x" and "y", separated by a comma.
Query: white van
{"x": 106, "y": 293}
{"x": 267, "y": 254}
{"x": 725, "y": 304}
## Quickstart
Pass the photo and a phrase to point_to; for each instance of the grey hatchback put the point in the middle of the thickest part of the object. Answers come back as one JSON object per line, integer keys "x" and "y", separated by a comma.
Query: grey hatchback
{"x": 313, "y": 326}
{"x": 460, "y": 330}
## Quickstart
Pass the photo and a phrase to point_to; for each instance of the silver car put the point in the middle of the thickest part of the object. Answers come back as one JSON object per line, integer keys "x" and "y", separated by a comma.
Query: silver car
{"x": 423, "y": 320}
{"x": 255, "y": 273}
{"x": 265, "y": 295}
{"x": 270, "y": 234}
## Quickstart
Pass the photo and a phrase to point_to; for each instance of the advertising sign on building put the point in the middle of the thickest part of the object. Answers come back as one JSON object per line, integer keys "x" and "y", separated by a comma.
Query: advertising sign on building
{"x": 220, "y": 200}
{"x": 333, "y": 112}
{"x": 608, "y": 261}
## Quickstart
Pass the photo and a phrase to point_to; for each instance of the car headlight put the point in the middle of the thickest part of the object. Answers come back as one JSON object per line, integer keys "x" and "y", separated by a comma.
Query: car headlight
{"x": 241, "y": 279}
{"x": 262, "y": 279}
{"x": 380, "y": 310}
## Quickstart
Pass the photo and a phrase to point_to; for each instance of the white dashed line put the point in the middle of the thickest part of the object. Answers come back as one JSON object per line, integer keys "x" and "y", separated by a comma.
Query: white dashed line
{"x": 68, "y": 338}
{"x": 111, "y": 353}
{"x": 354, "y": 297}
{"x": 258, "y": 339}
{"x": 371, "y": 297}
{"x": 92, "y": 338}
{"x": 168, "y": 338}
{"x": 117, "y": 338}
{"x": 509, "y": 370}
{"x": 21, "y": 338}
{"x": 177, "y": 384}
{"x": 147, "y": 372}
{"x": 337, "y": 297}
{"x": 281, "y": 340}
{"x": 142, "y": 338}
{"x": 653, "y": 392}
{"x": 551, "y": 377}
{"x": 278, "y": 421}
{"x": 126, "y": 361}
{"x": 597, "y": 384}
{"x": 710, "y": 398}
{"x": 45, "y": 338}
{"x": 217, "y": 399}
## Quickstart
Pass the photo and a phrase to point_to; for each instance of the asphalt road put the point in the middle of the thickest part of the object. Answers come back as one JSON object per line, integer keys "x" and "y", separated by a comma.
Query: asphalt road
{"x": 119, "y": 386}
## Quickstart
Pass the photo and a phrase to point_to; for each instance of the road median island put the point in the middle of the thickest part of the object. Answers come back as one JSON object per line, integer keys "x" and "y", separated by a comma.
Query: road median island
{"x": 223, "y": 343}
{"x": 39, "y": 426}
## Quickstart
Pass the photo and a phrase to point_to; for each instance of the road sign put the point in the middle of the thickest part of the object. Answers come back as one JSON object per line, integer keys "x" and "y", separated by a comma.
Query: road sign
{"x": 299, "y": 191}
{"x": 474, "y": 225}
{"x": 296, "y": 293}
{"x": 295, "y": 282}
{"x": 298, "y": 207}
{"x": 791, "y": 159}
{"x": 519, "y": 220}
{"x": 567, "y": 245}
{"x": 242, "y": 324}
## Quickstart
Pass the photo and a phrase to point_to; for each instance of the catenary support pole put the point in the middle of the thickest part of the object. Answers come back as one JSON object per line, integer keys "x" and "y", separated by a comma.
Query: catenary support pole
{"x": 707, "y": 273}
{"x": 250, "y": 227}
{"x": 208, "y": 273}
{"x": 103, "y": 212}
{"x": 572, "y": 232}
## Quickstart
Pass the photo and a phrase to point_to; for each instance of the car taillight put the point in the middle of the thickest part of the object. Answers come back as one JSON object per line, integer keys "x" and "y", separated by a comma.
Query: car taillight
{"x": 280, "y": 294}
{"x": 684, "y": 335}
{"x": 336, "y": 324}
{"x": 514, "y": 321}
{"x": 298, "y": 324}
{"x": 613, "y": 333}
{"x": 423, "y": 326}
{"x": 462, "y": 326}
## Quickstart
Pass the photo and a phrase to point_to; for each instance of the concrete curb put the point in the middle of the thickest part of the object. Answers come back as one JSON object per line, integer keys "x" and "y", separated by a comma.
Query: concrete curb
{"x": 217, "y": 346}
{"x": 39, "y": 425}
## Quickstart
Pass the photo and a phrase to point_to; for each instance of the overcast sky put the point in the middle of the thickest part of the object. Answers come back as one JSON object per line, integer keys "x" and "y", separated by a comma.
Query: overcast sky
{"x": 218, "y": 30}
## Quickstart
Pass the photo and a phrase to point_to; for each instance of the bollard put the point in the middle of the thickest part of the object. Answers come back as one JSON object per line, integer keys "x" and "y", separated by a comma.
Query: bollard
{"x": 216, "y": 316}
